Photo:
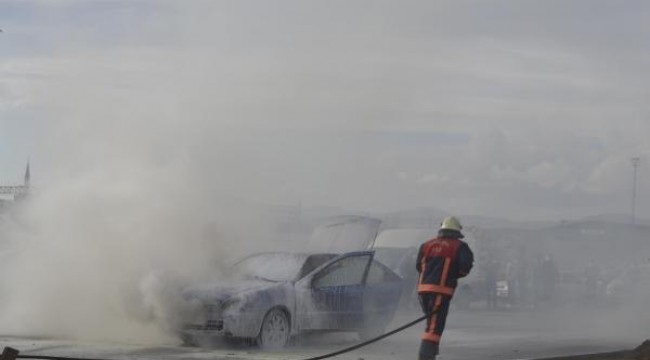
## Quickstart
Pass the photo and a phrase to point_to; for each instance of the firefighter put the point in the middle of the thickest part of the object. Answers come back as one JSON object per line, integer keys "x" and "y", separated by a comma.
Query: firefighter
{"x": 441, "y": 262}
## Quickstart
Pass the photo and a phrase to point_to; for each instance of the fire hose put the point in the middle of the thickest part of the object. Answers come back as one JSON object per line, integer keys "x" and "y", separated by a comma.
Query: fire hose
{"x": 13, "y": 354}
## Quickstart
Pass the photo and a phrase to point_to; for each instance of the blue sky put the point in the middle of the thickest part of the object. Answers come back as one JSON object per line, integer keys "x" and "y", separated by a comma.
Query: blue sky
{"x": 535, "y": 106}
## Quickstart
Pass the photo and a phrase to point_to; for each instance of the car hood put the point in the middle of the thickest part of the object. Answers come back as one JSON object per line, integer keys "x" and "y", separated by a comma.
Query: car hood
{"x": 222, "y": 291}
{"x": 343, "y": 234}
{"x": 403, "y": 238}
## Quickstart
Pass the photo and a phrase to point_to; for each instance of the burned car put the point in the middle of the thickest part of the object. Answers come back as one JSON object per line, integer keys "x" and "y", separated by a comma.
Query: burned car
{"x": 277, "y": 295}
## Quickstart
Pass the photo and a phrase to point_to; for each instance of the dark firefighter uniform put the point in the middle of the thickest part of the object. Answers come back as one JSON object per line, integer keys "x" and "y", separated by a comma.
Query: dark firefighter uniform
{"x": 441, "y": 262}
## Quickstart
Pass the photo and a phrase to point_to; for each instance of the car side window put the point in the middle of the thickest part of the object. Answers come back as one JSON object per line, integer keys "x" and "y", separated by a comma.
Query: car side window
{"x": 314, "y": 261}
{"x": 345, "y": 272}
{"x": 378, "y": 273}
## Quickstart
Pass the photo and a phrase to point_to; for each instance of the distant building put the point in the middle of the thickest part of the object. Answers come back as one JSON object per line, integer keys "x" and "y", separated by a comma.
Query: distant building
{"x": 16, "y": 192}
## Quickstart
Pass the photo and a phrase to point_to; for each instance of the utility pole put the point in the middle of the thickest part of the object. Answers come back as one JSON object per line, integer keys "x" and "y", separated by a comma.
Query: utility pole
{"x": 635, "y": 166}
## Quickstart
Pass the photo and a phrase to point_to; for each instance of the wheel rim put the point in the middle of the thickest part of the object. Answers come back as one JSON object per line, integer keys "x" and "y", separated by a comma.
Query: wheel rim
{"x": 275, "y": 330}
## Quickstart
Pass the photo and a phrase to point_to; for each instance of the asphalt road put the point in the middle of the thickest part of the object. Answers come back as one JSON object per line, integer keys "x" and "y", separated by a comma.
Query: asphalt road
{"x": 470, "y": 335}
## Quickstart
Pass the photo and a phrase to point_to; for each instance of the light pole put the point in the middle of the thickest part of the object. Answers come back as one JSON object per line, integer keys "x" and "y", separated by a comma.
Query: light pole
{"x": 635, "y": 167}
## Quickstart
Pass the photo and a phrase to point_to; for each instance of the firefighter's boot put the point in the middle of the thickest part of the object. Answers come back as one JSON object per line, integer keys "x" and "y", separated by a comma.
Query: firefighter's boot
{"x": 428, "y": 350}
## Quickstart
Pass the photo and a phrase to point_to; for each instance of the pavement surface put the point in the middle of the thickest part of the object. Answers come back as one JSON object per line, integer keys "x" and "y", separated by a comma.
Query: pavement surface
{"x": 642, "y": 352}
{"x": 470, "y": 335}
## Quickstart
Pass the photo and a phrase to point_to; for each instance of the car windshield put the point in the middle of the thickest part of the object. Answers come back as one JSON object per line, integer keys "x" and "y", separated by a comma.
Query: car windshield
{"x": 269, "y": 267}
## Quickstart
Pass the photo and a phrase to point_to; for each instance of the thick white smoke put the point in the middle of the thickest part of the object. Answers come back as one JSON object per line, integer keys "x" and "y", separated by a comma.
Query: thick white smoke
{"x": 127, "y": 202}
{"x": 84, "y": 250}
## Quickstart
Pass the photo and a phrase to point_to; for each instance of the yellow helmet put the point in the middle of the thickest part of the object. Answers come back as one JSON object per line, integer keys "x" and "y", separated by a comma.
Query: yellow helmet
{"x": 451, "y": 223}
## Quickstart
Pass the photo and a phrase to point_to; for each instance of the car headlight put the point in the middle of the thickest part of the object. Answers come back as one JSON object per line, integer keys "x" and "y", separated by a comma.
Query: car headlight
{"x": 230, "y": 303}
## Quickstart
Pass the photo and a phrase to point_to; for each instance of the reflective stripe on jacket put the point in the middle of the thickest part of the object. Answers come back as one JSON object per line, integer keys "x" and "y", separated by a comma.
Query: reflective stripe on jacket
{"x": 441, "y": 262}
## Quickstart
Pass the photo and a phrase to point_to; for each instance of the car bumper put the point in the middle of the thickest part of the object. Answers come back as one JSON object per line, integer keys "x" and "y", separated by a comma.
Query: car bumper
{"x": 230, "y": 325}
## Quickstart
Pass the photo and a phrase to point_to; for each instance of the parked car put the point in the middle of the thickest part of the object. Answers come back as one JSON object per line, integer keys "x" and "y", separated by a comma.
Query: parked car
{"x": 631, "y": 287}
{"x": 273, "y": 296}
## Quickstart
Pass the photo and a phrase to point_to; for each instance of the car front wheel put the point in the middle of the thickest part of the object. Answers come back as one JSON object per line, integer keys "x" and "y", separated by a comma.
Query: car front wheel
{"x": 275, "y": 330}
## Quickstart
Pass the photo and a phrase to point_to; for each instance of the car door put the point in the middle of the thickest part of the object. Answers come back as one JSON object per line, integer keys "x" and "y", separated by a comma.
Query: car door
{"x": 382, "y": 292}
{"x": 332, "y": 299}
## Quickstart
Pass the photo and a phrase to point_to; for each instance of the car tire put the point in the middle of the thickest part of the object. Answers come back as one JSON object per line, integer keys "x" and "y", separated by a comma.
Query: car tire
{"x": 275, "y": 330}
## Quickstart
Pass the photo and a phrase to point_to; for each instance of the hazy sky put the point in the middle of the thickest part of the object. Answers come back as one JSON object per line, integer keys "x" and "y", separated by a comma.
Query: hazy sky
{"x": 522, "y": 109}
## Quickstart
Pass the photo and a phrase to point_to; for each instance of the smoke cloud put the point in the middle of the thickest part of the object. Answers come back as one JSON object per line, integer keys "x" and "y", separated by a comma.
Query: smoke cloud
{"x": 164, "y": 128}
{"x": 134, "y": 149}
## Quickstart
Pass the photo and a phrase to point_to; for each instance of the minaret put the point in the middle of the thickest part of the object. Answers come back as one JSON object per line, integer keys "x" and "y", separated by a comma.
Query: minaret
{"x": 27, "y": 175}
